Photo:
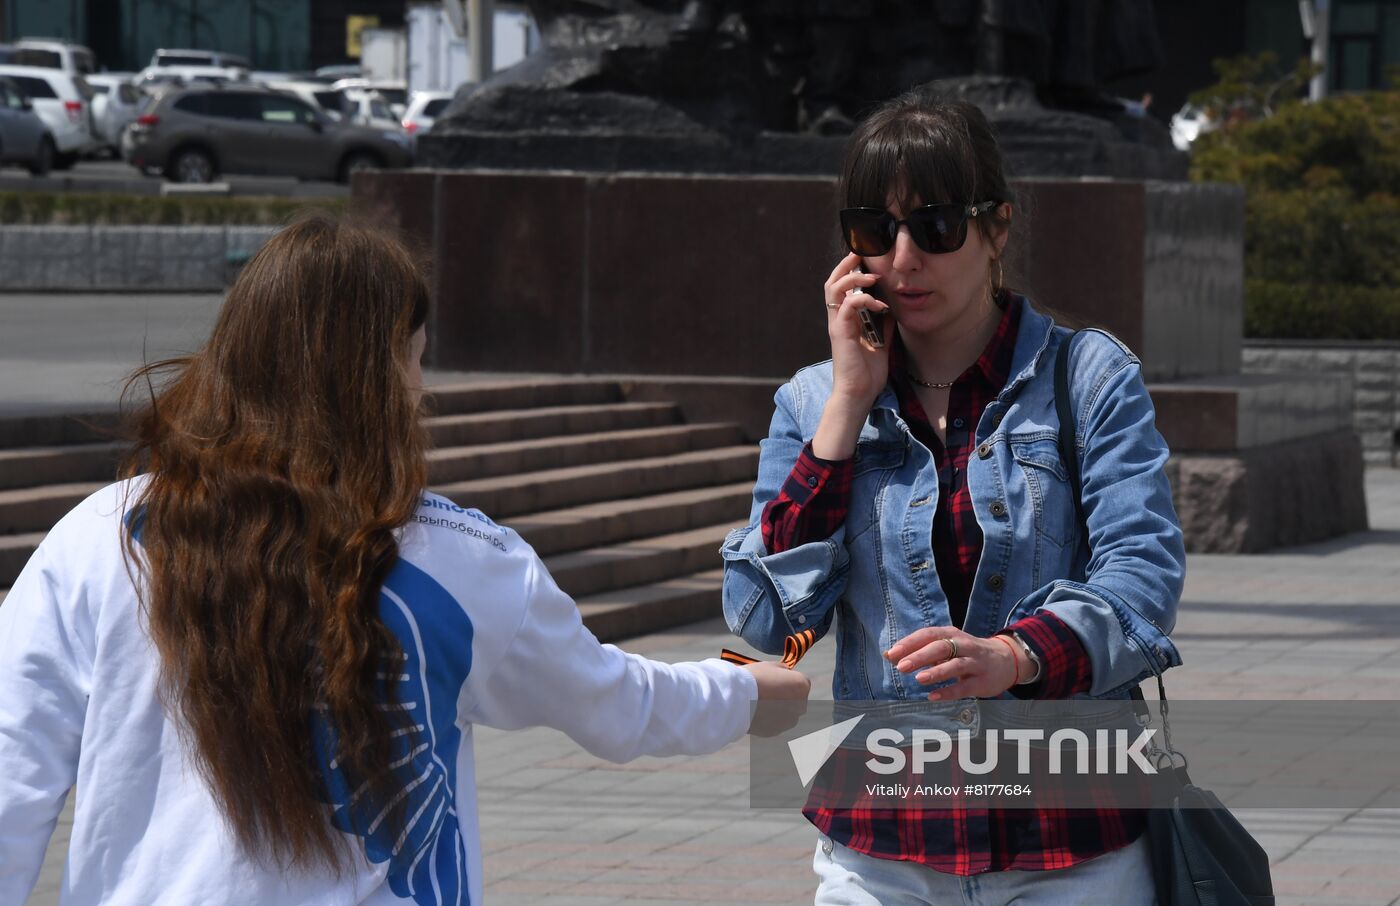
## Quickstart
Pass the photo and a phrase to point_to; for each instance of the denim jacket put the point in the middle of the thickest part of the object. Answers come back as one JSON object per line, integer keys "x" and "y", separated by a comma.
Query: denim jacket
{"x": 1117, "y": 589}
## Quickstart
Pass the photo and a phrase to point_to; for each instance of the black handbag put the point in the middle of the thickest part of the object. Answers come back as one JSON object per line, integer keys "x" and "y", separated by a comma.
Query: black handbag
{"x": 1201, "y": 855}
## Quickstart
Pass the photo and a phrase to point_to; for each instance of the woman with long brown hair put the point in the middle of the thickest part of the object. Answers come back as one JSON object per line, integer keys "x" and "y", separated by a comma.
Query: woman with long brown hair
{"x": 259, "y": 657}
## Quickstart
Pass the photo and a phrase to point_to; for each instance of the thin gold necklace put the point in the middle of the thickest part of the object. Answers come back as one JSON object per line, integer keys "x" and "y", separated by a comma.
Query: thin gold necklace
{"x": 937, "y": 385}
{"x": 932, "y": 385}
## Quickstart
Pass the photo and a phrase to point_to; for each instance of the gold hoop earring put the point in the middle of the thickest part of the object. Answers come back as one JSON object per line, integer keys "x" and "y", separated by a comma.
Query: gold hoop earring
{"x": 1000, "y": 282}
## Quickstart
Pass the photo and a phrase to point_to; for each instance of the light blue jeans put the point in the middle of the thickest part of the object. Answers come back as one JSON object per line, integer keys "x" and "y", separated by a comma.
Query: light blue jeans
{"x": 848, "y": 878}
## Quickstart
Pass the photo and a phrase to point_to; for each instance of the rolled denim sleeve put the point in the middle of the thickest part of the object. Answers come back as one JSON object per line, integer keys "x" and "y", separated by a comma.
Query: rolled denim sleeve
{"x": 1127, "y": 605}
{"x": 770, "y": 596}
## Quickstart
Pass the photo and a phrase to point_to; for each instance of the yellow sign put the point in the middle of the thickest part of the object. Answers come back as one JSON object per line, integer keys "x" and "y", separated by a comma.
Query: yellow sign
{"x": 353, "y": 26}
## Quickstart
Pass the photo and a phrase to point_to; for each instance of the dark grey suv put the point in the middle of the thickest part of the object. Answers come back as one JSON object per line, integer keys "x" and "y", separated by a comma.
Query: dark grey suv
{"x": 192, "y": 134}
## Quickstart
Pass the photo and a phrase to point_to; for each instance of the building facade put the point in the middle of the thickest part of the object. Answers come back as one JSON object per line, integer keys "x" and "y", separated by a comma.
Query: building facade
{"x": 1364, "y": 46}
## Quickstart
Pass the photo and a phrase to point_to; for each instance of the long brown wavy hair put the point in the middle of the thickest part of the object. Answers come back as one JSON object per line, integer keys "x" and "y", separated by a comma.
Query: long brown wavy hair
{"x": 282, "y": 457}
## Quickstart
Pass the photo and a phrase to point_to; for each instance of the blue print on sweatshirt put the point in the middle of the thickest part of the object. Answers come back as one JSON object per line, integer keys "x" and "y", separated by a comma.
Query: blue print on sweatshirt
{"x": 428, "y": 862}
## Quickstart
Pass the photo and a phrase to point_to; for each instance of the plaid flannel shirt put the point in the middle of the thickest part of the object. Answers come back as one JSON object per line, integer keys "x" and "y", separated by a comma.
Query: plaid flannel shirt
{"x": 813, "y": 503}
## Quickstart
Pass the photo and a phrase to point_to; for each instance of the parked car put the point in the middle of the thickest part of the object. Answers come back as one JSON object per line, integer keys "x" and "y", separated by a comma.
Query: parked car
{"x": 184, "y": 75}
{"x": 423, "y": 109}
{"x": 24, "y": 137}
{"x": 268, "y": 76}
{"x": 368, "y": 108}
{"x": 193, "y": 134}
{"x": 317, "y": 94}
{"x": 64, "y": 103}
{"x": 165, "y": 57}
{"x": 51, "y": 53}
{"x": 339, "y": 71}
{"x": 395, "y": 93}
{"x": 115, "y": 105}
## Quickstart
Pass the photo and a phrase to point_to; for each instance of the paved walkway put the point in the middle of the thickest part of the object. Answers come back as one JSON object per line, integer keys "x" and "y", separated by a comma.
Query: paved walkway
{"x": 1321, "y": 621}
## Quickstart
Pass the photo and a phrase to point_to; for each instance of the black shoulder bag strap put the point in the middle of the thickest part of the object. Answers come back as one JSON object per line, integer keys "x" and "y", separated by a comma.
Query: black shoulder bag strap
{"x": 1064, "y": 410}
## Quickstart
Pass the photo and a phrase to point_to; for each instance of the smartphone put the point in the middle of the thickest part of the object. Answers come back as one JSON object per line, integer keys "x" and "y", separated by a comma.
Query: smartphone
{"x": 872, "y": 323}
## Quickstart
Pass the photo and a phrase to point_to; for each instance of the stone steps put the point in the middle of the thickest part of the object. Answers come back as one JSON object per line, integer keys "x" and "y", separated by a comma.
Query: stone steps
{"x": 477, "y": 428}
{"x": 611, "y": 521}
{"x": 24, "y": 510}
{"x": 31, "y": 466}
{"x": 494, "y": 396}
{"x": 627, "y": 503}
{"x": 512, "y": 495}
{"x": 540, "y": 454}
{"x": 640, "y": 562}
{"x": 648, "y": 608}
{"x": 55, "y": 429}
{"x": 15, "y": 551}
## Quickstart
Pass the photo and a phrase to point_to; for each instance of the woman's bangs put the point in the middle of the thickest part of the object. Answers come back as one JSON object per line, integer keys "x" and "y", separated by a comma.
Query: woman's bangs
{"x": 913, "y": 162}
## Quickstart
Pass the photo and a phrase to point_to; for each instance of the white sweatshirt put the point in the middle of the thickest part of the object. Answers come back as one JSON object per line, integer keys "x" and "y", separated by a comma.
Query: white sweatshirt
{"x": 488, "y": 639}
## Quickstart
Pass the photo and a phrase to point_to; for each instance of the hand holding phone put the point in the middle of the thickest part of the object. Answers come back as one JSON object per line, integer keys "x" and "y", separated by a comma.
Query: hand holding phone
{"x": 872, "y": 323}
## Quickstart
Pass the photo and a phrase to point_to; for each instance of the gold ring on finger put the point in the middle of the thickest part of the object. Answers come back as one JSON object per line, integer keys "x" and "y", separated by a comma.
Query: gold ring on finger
{"x": 833, "y": 305}
{"x": 952, "y": 648}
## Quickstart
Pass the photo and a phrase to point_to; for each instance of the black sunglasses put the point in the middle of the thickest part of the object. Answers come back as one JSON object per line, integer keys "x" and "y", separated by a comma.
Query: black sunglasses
{"x": 935, "y": 228}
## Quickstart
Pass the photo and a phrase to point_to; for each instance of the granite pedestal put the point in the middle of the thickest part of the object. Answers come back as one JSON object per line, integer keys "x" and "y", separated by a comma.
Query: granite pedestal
{"x": 711, "y": 277}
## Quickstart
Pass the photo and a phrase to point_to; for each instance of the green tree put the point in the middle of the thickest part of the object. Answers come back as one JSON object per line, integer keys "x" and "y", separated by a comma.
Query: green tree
{"x": 1322, "y": 182}
{"x": 1251, "y": 87}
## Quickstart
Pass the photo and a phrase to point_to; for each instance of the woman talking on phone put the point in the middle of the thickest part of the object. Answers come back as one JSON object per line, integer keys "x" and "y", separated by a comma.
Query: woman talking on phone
{"x": 259, "y": 658}
{"x": 911, "y": 493}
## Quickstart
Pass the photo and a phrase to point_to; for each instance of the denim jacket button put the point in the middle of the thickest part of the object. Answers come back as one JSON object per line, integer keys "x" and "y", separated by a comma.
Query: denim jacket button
{"x": 965, "y": 717}
{"x": 801, "y": 619}
{"x": 996, "y": 582}
{"x": 984, "y": 450}
{"x": 996, "y": 421}
{"x": 998, "y": 508}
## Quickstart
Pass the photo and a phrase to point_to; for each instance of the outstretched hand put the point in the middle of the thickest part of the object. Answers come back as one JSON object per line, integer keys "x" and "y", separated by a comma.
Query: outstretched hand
{"x": 782, "y": 698}
{"x": 980, "y": 668}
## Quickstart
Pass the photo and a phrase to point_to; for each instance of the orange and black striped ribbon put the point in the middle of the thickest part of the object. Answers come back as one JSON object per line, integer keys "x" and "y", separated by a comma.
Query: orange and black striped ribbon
{"x": 794, "y": 647}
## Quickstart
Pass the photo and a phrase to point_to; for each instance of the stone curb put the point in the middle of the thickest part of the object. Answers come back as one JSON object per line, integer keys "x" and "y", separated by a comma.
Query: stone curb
{"x": 88, "y": 257}
{"x": 1374, "y": 369}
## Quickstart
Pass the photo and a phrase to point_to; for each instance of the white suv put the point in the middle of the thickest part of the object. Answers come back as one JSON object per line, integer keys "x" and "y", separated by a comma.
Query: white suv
{"x": 175, "y": 57}
{"x": 64, "y": 103}
{"x": 423, "y": 109}
{"x": 368, "y": 108}
{"x": 115, "y": 105}
{"x": 74, "y": 59}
